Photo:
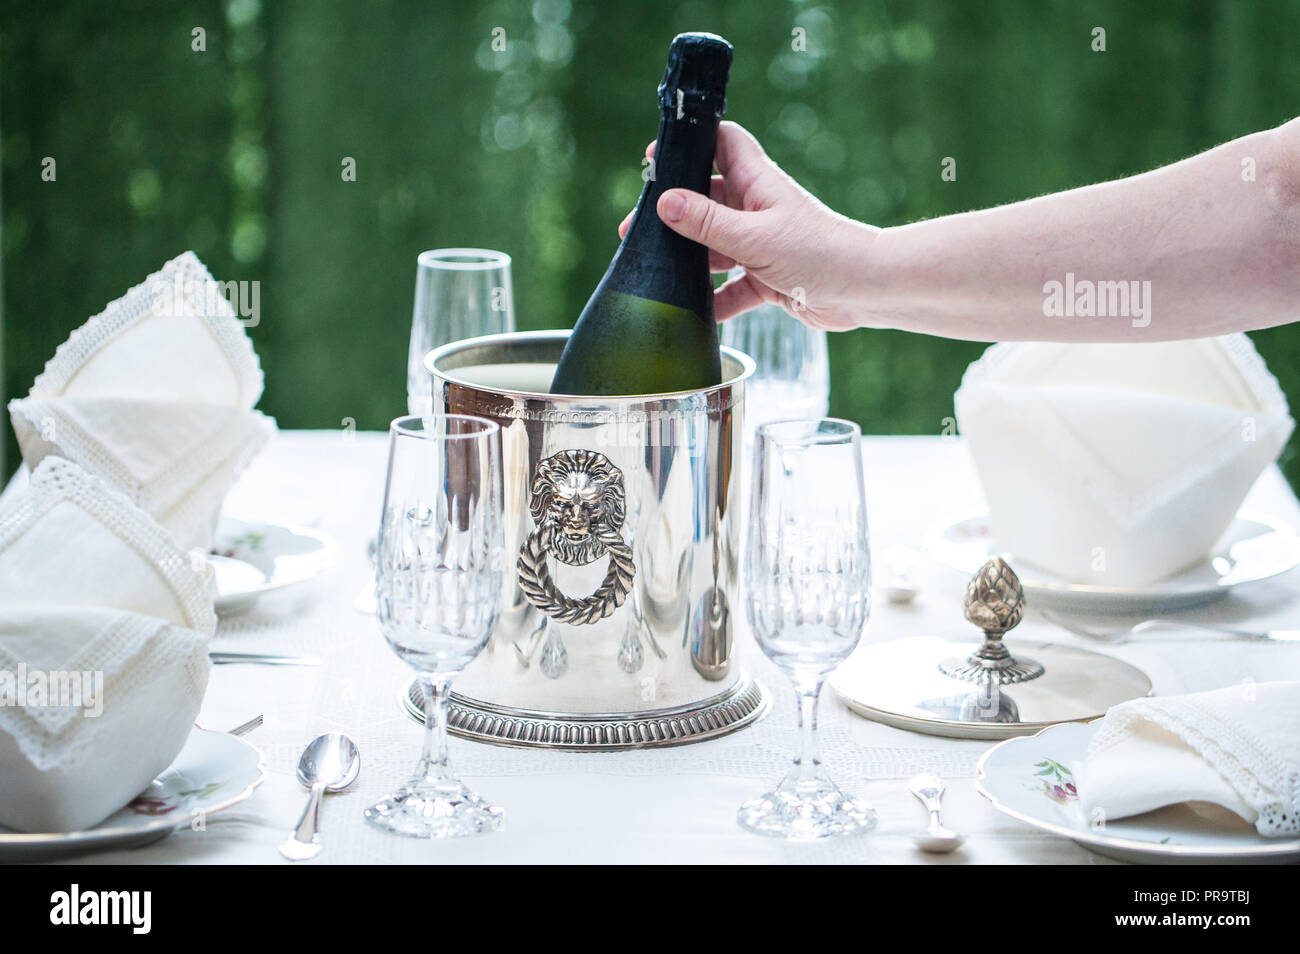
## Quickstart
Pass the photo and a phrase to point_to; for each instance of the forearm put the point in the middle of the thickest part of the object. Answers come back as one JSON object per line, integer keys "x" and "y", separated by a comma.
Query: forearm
{"x": 1200, "y": 249}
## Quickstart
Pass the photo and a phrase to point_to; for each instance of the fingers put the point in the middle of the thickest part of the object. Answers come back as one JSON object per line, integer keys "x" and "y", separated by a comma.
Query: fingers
{"x": 733, "y": 234}
{"x": 736, "y": 146}
{"x": 719, "y": 262}
{"x": 718, "y": 193}
{"x": 744, "y": 164}
{"x": 737, "y": 295}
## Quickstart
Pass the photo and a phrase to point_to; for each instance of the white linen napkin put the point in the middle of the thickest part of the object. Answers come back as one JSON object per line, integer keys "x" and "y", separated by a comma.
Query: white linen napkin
{"x": 154, "y": 394}
{"x": 1119, "y": 463}
{"x": 104, "y": 629}
{"x": 1238, "y": 748}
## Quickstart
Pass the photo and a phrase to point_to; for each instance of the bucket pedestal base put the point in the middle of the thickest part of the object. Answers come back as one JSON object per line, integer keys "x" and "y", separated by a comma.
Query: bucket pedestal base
{"x": 743, "y": 703}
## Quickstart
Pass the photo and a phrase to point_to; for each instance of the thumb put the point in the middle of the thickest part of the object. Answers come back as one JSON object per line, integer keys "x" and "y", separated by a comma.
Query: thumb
{"x": 710, "y": 223}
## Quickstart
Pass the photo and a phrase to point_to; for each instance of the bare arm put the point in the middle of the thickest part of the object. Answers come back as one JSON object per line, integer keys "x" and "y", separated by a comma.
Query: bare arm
{"x": 1202, "y": 247}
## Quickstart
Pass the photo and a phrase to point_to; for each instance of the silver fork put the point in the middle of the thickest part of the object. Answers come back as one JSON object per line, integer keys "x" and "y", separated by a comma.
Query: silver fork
{"x": 1124, "y": 634}
{"x": 247, "y": 727}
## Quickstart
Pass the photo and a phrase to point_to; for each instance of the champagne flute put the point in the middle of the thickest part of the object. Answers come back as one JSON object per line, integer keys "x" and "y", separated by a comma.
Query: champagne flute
{"x": 807, "y": 578}
{"x": 791, "y": 376}
{"x": 459, "y": 293}
{"x": 438, "y": 583}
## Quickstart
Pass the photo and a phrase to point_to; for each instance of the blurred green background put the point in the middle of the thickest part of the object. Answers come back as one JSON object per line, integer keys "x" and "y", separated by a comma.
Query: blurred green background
{"x": 236, "y": 151}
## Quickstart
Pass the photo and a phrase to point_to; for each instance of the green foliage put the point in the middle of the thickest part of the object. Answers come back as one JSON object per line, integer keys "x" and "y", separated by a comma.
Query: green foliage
{"x": 236, "y": 152}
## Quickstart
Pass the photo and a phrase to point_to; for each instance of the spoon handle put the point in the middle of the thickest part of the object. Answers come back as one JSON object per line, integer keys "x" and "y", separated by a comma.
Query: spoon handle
{"x": 929, "y": 792}
{"x": 304, "y": 840}
{"x": 932, "y": 806}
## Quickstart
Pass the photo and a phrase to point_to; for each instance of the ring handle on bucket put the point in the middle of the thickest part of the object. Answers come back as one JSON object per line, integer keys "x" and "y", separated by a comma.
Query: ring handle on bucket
{"x": 535, "y": 580}
{"x": 578, "y": 505}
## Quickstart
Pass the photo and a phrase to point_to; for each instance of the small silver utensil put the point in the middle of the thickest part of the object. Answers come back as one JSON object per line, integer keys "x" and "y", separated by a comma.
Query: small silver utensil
{"x": 221, "y": 658}
{"x": 246, "y": 727}
{"x": 936, "y": 838}
{"x": 899, "y": 562}
{"x": 1125, "y": 633}
{"x": 329, "y": 764}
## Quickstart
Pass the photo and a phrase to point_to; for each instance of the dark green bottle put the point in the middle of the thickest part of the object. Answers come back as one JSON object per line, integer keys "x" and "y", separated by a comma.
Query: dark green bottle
{"x": 649, "y": 328}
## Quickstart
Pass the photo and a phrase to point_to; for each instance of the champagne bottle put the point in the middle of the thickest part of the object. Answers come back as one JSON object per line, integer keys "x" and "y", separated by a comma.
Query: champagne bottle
{"x": 649, "y": 328}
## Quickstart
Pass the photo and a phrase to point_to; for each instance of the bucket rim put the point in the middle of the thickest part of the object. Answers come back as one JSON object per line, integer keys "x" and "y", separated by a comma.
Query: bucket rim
{"x": 442, "y": 352}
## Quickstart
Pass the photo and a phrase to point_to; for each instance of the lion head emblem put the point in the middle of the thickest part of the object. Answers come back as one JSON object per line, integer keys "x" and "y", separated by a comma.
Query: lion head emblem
{"x": 578, "y": 496}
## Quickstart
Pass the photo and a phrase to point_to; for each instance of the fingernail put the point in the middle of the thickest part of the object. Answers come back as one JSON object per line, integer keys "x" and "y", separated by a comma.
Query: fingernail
{"x": 671, "y": 207}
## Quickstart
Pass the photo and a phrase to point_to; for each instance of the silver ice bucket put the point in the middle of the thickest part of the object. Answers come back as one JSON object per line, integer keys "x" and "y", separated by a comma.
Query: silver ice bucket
{"x": 622, "y": 521}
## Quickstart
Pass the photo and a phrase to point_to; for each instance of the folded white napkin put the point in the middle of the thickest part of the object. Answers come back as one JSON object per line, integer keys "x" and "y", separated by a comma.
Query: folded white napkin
{"x": 155, "y": 395}
{"x": 1238, "y": 748}
{"x": 1119, "y": 463}
{"x": 104, "y": 629}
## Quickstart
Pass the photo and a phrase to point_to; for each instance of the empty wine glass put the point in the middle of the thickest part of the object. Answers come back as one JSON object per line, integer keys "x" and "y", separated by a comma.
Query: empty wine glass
{"x": 438, "y": 582}
{"x": 807, "y": 578}
{"x": 459, "y": 293}
{"x": 792, "y": 377}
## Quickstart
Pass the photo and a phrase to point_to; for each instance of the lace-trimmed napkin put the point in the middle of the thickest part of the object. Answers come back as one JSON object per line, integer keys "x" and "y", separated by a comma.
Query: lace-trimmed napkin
{"x": 155, "y": 395}
{"x": 104, "y": 629}
{"x": 1238, "y": 748}
{"x": 1117, "y": 463}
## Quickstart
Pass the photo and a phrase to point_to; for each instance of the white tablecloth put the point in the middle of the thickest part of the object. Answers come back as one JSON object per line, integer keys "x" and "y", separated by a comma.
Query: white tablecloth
{"x": 667, "y": 805}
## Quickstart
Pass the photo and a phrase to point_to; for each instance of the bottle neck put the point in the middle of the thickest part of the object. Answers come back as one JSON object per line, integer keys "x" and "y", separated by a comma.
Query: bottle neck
{"x": 683, "y": 160}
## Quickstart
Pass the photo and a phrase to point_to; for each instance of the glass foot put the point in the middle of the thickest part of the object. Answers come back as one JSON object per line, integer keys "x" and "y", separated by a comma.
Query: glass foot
{"x": 805, "y": 811}
{"x": 448, "y": 810}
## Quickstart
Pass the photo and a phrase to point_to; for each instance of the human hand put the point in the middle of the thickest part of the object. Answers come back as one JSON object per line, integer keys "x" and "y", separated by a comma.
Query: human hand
{"x": 795, "y": 251}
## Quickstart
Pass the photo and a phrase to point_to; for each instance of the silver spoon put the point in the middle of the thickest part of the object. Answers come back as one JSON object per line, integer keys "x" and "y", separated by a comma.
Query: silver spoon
{"x": 899, "y": 586}
{"x": 936, "y": 838}
{"x": 329, "y": 764}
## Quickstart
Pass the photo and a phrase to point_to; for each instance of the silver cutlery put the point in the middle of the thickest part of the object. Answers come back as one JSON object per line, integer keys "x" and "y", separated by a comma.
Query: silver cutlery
{"x": 1124, "y": 633}
{"x": 936, "y": 838}
{"x": 899, "y": 585}
{"x": 329, "y": 764}
{"x": 246, "y": 727}
{"x": 221, "y": 658}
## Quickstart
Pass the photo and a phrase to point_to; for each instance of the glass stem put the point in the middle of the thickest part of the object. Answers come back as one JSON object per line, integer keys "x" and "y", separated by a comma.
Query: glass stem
{"x": 434, "y": 767}
{"x": 806, "y": 760}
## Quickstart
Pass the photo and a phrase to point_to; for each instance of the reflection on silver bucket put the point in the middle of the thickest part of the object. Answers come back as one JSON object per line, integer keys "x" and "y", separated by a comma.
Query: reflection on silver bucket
{"x": 622, "y": 527}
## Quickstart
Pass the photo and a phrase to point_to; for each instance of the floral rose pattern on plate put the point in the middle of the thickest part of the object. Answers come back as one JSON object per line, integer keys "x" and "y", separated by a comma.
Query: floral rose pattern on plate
{"x": 250, "y": 541}
{"x": 166, "y": 804}
{"x": 973, "y": 530}
{"x": 1056, "y": 781}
